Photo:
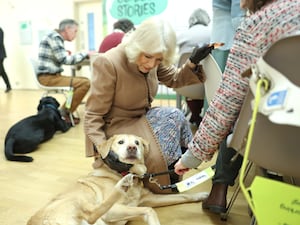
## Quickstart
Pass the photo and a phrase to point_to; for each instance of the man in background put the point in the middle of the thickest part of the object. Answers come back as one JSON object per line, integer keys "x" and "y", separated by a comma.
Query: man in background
{"x": 53, "y": 55}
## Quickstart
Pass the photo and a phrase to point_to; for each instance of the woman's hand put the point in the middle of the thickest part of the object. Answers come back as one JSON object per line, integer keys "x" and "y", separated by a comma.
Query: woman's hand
{"x": 179, "y": 168}
{"x": 200, "y": 53}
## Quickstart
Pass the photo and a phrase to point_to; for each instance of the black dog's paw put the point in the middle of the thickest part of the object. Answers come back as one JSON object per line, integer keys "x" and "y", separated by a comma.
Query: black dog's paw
{"x": 66, "y": 126}
{"x": 63, "y": 125}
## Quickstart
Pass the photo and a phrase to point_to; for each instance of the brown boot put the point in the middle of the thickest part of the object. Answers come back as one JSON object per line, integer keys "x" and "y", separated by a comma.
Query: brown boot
{"x": 216, "y": 201}
{"x": 195, "y": 106}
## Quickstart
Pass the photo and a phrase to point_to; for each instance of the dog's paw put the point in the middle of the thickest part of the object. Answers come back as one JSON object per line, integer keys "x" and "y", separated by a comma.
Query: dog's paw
{"x": 125, "y": 183}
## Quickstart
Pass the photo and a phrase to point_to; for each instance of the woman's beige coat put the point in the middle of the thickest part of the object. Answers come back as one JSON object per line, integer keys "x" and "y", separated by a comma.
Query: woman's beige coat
{"x": 120, "y": 97}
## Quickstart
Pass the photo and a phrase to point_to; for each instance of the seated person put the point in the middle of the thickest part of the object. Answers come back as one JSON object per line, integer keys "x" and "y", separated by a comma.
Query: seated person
{"x": 53, "y": 55}
{"x": 121, "y": 27}
{"x": 278, "y": 18}
{"x": 197, "y": 34}
{"x": 124, "y": 85}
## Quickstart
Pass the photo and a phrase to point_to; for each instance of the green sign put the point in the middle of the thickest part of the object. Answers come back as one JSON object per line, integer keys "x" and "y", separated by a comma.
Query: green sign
{"x": 137, "y": 10}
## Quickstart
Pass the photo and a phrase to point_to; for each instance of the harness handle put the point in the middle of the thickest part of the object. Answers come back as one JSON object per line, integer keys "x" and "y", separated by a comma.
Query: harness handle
{"x": 157, "y": 174}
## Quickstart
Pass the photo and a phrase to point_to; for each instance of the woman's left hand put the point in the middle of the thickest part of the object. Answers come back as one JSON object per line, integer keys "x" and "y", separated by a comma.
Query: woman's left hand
{"x": 180, "y": 169}
{"x": 200, "y": 53}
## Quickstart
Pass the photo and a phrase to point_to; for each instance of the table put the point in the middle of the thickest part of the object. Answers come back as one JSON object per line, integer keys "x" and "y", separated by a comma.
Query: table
{"x": 74, "y": 68}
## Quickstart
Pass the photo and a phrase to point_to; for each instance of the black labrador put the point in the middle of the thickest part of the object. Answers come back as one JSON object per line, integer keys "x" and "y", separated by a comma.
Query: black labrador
{"x": 25, "y": 136}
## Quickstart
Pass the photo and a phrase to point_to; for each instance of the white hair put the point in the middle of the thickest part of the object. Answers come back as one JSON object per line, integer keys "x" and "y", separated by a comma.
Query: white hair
{"x": 152, "y": 36}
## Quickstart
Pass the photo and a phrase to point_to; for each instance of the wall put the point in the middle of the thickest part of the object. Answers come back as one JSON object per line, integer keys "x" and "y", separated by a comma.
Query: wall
{"x": 20, "y": 45}
{"x": 25, "y": 22}
{"x": 176, "y": 11}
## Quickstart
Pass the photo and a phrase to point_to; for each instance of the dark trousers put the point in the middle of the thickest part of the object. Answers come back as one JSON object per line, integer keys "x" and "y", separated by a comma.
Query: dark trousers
{"x": 226, "y": 170}
{"x": 3, "y": 74}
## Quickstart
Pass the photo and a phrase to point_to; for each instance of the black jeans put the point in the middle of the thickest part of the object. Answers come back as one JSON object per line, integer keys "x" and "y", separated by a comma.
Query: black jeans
{"x": 227, "y": 171}
{"x": 3, "y": 74}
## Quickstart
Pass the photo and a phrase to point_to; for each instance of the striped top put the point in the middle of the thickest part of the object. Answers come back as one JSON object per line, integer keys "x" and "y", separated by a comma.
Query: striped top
{"x": 254, "y": 37}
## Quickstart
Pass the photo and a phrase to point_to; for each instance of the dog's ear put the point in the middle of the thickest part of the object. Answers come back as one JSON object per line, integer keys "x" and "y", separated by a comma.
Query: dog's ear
{"x": 55, "y": 102}
{"x": 146, "y": 146}
{"x": 40, "y": 106}
{"x": 104, "y": 148}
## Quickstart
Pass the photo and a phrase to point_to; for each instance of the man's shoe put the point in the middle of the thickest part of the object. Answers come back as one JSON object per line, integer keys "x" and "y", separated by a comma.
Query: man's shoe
{"x": 216, "y": 201}
{"x": 76, "y": 120}
{"x": 68, "y": 119}
{"x": 66, "y": 116}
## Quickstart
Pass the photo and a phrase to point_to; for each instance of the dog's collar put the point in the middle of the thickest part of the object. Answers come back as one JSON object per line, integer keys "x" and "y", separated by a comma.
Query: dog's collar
{"x": 49, "y": 106}
{"x": 113, "y": 162}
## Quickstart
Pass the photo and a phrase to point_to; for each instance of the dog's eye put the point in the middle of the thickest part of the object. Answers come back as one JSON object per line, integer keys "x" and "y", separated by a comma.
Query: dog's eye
{"x": 137, "y": 142}
{"x": 121, "y": 142}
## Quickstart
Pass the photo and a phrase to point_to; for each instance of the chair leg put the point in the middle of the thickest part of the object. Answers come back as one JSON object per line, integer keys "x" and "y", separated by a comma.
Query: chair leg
{"x": 178, "y": 101}
{"x": 293, "y": 182}
{"x": 253, "y": 220}
{"x": 235, "y": 194}
{"x": 72, "y": 120}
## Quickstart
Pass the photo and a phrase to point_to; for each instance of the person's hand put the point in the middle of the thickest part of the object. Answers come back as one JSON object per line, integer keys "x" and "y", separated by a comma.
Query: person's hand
{"x": 180, "y": 169}
{"x": 200, "y": 53}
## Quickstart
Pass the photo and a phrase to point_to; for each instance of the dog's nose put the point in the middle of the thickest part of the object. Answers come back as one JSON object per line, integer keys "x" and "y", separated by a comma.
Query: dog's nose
{"x": 131, "y": 149}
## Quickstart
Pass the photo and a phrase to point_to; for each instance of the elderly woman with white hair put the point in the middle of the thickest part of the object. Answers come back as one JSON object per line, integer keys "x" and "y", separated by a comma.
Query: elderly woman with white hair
{"x": 123, "y": 87}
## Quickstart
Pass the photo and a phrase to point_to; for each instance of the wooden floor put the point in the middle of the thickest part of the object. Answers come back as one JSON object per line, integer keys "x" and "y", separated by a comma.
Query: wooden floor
{"x": 26, "y": 187}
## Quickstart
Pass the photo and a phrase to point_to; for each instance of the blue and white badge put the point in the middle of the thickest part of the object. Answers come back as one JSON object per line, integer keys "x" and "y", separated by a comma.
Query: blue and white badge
{"x": 277, "y": 99}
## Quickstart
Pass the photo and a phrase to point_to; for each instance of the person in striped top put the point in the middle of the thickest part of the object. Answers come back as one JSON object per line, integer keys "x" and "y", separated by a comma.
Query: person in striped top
{"x": 267, "y": 22}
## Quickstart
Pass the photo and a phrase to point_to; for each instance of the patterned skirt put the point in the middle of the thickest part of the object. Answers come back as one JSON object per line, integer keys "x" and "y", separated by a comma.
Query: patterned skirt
{"x": 171, "y": 129}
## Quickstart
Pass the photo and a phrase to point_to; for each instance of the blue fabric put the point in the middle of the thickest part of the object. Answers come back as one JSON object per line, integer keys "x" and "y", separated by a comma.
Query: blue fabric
{"x": 171, "y": 129}
{"x": 227, "y": 16}
{"x": 233, "y": 6}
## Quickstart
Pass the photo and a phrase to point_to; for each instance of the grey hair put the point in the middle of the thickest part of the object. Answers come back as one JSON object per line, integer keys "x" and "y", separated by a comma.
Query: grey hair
{"x": 66, "y": 23}
{"x": 199, "y": 16}
{"x": 152, "y": 36}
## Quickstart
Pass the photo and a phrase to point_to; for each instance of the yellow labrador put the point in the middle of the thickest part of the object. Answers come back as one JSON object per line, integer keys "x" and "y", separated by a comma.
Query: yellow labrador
{"x": 106, "y": 197}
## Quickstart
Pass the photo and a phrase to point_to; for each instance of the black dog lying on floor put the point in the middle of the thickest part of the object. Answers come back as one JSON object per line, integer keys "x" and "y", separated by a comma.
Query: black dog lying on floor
{"x": 25, "y": 136}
